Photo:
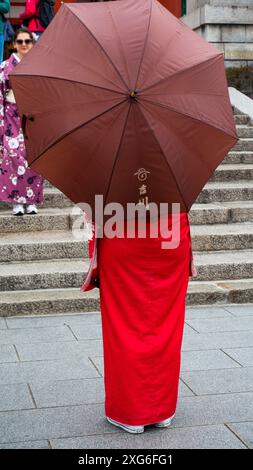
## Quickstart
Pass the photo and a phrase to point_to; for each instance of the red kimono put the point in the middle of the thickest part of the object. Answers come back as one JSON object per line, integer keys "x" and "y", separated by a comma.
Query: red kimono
{"x": 30, "y": 13}
{"x": 142, "y": 297}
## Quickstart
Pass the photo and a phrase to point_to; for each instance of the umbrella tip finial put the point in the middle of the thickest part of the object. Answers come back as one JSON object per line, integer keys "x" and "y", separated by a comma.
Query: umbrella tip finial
{"x": 133, "y": 94}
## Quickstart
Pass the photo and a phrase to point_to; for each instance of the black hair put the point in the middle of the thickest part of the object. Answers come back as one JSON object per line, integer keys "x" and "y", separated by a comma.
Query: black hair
{"x": 23, "y": 30}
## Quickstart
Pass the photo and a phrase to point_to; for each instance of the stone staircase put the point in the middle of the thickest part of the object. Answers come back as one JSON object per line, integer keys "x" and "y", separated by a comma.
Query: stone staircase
{"x": 42, "y": 265}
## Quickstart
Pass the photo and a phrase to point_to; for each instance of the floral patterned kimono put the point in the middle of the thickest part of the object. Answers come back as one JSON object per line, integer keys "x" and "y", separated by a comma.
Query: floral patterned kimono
{"x": 18, "y": 183}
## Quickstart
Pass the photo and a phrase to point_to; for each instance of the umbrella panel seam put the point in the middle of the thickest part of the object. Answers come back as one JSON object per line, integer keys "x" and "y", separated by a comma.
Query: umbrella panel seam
{"x": 75, "y": 129}
{"x": 102, "y": 48}
{"x": 183, "y": 70}
{"x": 117, "y": 154}
{"x": 69, "y": 80}
{"x": 145, "y": 45}
{"x": 120, "y": 42}
{"x": 211, "y": 170}
{"x": 179, "y": 190}
{"x": 160, "y": 105}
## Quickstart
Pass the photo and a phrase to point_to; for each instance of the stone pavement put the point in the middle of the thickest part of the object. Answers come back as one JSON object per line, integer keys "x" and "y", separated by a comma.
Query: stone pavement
{"x": 52, "y": 394}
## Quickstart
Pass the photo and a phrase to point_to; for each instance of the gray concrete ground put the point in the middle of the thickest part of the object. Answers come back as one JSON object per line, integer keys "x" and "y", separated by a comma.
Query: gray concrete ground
{"x": 52, "y": 393}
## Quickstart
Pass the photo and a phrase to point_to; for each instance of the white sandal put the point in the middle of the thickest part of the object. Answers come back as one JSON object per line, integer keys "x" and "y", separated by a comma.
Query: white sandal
{"x": 126, "y": 427}
{"x": 31, "y": 209}
{"x": 165, "y": 423}
{"x": 18, "y": 209}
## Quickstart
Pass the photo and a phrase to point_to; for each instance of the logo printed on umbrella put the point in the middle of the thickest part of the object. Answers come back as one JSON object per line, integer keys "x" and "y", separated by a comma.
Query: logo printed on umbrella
{"x": 142, "y": 174}
{"x": 143, "y": 189}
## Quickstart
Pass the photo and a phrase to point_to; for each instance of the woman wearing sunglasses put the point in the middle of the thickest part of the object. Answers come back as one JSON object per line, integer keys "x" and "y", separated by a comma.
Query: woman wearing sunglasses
{"x": 19, "y": 185}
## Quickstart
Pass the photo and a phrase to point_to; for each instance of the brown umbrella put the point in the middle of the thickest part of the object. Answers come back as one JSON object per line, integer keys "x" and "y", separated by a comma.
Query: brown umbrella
{"x": 123, "y": 99}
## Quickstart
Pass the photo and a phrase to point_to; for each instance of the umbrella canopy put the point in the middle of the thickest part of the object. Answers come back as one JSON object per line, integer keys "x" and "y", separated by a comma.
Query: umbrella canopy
{"x": 123, "y": 99}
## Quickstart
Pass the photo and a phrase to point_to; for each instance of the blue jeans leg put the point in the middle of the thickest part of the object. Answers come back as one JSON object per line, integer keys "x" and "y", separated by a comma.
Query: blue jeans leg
{"x": 1, "y": 47}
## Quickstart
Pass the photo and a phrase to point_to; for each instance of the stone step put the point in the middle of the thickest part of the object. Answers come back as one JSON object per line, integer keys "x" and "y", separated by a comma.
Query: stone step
{"x": 46, "y": 219}
{"x": 41, "y": 246}
{"x": 241, "y": 119}
{"x": 220, "y": 292}
{"x": 54, "y": 301}
{"x": 55, "y": 198}
{"x": 243, "y": 144}
{"x": 46, "y": 301}
{"x": 62, "y": 219}
{"x": 226, "y": 191}
{"x": 237, "y": 111}
{"x": 238, "y": 157}
{"x": 222, "y": 237}
{"x": 232, "y": 172}
{"x": 55, "y": 274}
{"x": 47, "y": 184}
{"x": 217, "y": 265}
{"x": 221, "y": 212}
{"x": 36, "y": 246}
{"x": 244, "y": 131}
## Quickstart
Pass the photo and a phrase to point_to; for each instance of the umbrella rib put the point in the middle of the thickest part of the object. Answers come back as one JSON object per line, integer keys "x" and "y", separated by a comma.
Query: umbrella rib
{"x": 71, "y": 81}
{"x": 157, "y": 141}
{"x": 117, "y": 154}
{"x": 75, "y": 129}
{"x": 145, "y": 44}
{"x": 106, "y": 54}
{"x": 204, "y": 93}
{"x": 166, "y": 107}
{"x": 181, "y": 71}
{"x": 120, "y": 42}
{"x": 160, "y": 105}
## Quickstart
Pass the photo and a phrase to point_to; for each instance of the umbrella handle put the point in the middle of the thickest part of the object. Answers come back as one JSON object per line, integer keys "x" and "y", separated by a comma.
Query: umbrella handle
{"x": 23, "y": 123}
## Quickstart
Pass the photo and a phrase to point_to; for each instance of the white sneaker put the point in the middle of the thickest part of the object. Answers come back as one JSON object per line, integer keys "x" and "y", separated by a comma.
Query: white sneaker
{"x": 165, "y": 423}
{"x": 18, "y": 209}
{"x": 31, "y": 209}
{"x": 127, "y": 427}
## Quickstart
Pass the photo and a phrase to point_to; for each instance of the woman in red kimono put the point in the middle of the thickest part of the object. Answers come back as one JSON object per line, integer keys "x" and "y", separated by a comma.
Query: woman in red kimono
{"x": 30, "y": 18}
{"x": 142, "y": 296}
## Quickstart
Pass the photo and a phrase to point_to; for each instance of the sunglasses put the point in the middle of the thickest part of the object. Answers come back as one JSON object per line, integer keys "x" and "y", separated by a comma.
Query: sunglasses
{"x": 23, "y": 41}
